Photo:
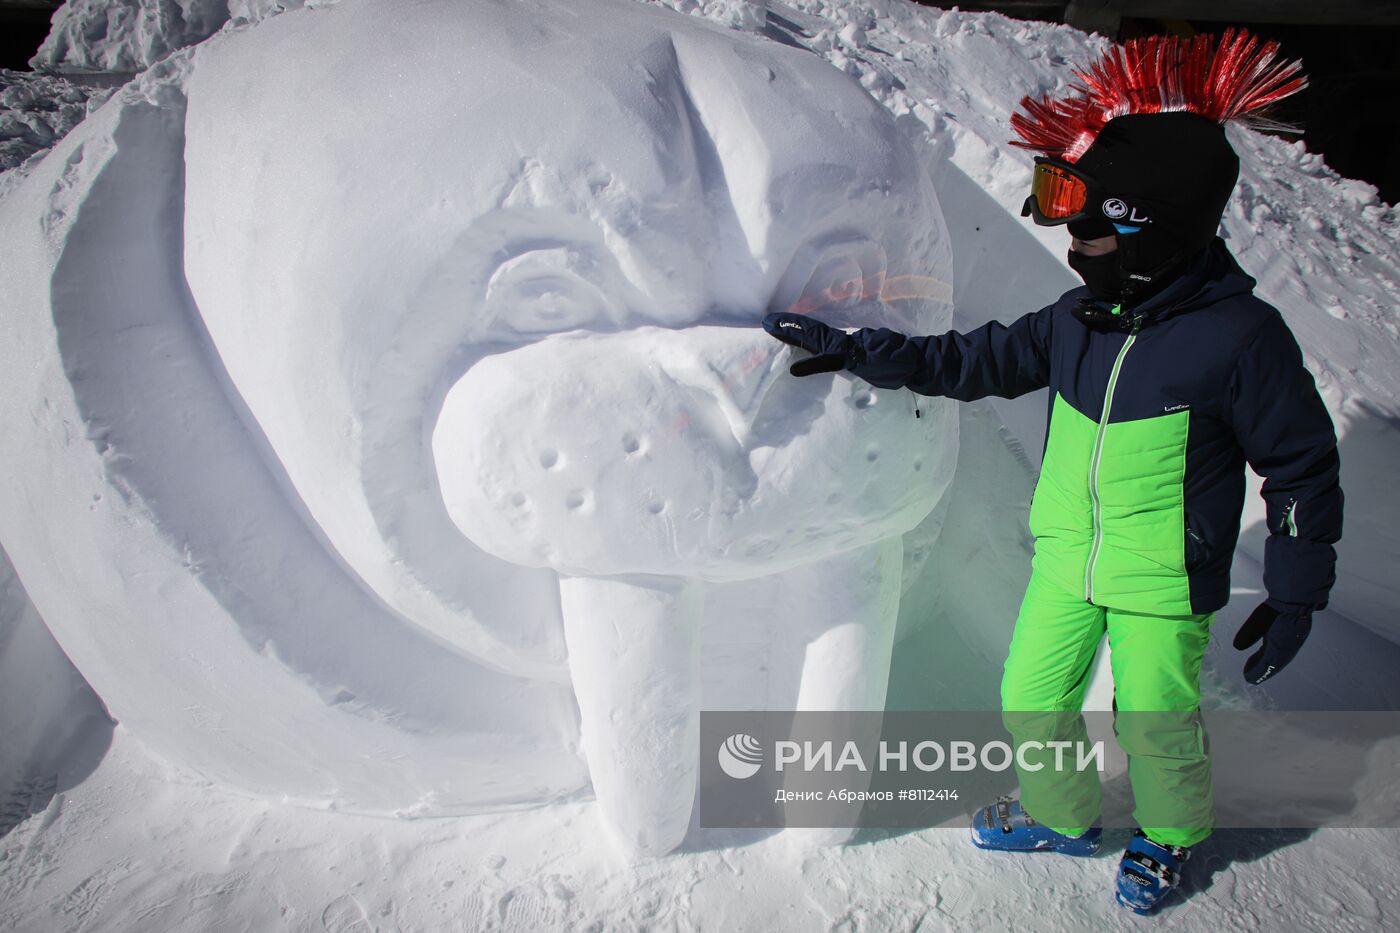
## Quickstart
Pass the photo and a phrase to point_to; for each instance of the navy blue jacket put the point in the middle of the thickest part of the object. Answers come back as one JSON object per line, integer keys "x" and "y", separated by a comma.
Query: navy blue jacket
{"x": 1224, "y": 375}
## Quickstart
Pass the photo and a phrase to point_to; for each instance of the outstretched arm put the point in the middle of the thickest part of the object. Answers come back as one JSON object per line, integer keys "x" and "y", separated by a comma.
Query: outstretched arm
{"x": 1006, "y": 360}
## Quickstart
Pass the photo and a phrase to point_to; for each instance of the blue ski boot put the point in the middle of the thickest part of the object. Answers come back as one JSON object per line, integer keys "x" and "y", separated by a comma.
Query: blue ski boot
{"x": 1148, "y": 872}
{"x": 1005, "y": 826}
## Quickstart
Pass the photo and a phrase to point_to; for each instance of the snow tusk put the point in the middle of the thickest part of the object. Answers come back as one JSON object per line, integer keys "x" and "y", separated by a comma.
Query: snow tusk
{"x": 634, "y": 654}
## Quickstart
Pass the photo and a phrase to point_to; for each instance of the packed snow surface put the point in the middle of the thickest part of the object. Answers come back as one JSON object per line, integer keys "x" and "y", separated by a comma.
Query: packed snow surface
{"x": 37, "y": 110}
{"x": 389, "y": 431}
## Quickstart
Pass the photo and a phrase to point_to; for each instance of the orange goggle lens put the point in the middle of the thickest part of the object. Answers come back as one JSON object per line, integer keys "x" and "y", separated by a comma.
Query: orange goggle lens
{"x": 1057, "y": 193}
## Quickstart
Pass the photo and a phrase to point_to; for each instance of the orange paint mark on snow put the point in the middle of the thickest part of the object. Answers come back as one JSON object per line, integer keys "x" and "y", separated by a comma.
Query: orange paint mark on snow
{"x": 876, "y": 287}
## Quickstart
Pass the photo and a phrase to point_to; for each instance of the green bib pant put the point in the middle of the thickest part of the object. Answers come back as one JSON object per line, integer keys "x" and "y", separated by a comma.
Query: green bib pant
{"x": 1156, "y": 661}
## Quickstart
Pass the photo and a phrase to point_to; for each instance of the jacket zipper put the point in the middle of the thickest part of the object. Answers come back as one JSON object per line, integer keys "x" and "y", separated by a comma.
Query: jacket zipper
{"x": 1200, "y": 547}
{"x": 1095, "y": 459}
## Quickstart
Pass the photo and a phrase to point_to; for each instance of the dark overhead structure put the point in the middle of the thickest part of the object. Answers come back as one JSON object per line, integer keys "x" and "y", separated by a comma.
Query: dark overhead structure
{"x": 1106, "y": 16}
{"x": 1350, "y": 49}
{"x": 24, "y": 24}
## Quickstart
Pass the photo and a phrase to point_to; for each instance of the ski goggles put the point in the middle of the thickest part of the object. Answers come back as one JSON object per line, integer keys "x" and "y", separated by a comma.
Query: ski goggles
{"x": 1059, "y": 193}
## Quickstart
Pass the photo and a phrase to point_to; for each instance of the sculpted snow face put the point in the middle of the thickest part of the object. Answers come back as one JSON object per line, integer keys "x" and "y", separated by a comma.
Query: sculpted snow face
{"x": 545, "y": 244}
{"x": 484, "y": 281}
{"x": 491, "y": 175}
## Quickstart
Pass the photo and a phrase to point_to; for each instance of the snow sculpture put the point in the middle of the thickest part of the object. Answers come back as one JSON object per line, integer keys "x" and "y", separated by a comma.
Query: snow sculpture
{"x": 481, "y": 282}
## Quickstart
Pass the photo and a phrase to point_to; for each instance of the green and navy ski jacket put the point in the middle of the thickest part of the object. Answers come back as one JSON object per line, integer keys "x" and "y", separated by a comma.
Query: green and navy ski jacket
{"x": 1142, "y": 478}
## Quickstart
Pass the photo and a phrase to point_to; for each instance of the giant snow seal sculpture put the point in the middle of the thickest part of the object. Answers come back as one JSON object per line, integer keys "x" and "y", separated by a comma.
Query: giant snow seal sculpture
{"x": 464, "y": 414}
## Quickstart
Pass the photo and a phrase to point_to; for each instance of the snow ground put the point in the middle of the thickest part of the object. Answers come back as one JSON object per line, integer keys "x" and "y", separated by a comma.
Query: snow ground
{"x": 103, "y": 834}
{"x": 134, "y": 848}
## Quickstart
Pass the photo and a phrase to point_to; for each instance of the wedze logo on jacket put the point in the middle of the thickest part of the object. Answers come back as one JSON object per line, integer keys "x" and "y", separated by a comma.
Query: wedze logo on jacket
{"x": 1142, "y": 483}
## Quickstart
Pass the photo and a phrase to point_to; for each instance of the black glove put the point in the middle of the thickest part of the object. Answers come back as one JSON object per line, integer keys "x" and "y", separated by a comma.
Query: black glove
{"x": 1283, "y": 626}
{"x": 832, "y": 347}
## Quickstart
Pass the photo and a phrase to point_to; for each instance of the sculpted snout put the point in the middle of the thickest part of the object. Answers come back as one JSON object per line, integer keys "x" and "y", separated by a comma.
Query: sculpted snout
{"x": 688, "y": 452}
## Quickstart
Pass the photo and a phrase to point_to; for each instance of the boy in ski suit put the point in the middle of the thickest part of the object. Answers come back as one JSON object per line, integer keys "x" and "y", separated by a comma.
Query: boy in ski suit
{"x": 1166, "y": 376}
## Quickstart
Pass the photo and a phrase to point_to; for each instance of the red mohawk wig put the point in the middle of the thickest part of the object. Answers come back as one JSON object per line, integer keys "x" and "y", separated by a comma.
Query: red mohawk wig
{"x": 1159, "y": 74}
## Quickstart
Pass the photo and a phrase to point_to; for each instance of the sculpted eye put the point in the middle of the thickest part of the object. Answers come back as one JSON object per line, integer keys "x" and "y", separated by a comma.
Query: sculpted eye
{"x": 840, "y": 282}
{"x": 547, "y": 290}
{"x": 848, "y": 280}
{"x": 837, "y": 277}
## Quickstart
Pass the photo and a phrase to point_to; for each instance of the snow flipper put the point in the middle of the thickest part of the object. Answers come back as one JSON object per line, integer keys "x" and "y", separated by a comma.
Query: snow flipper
{"x": 1005, "y": 826}
{"x": 1148, "y": 872}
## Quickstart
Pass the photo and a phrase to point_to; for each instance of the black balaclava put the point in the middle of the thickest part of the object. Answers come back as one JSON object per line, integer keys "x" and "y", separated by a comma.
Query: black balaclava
{"x": 1100, "y": 273}
{"x": 1168, "y": 176}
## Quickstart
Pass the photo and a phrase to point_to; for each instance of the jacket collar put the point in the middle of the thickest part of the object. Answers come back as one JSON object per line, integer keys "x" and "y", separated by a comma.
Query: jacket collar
{"x": 1212, "y": 275}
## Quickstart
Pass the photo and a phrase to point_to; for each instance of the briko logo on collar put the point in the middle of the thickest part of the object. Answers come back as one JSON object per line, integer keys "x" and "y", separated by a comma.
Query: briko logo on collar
{"x": 1118, "y": 209}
